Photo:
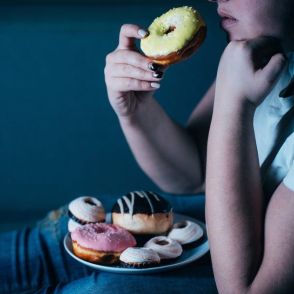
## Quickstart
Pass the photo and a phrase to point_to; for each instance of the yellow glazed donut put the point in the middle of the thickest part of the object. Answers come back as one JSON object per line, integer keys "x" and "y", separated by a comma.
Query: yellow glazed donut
{"x": 174, "y": 36}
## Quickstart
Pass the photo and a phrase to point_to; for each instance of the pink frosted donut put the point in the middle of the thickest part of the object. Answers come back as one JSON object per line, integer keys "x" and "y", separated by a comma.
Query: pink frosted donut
{"x": 100, "y": 242}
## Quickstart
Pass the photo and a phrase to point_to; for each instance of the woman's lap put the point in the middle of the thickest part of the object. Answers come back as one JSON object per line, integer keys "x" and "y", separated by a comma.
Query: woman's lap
{"x": 35, "y": 262}
{"x": 35, "y": 257}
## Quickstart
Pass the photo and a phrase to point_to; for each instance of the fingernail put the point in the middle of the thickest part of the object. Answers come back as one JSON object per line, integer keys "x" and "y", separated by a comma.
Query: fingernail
{"x": 153, "y": 66}
{"x": 155, "y": 85}
{"x": 157, "y": 74}
{"x": 142, "y": 33}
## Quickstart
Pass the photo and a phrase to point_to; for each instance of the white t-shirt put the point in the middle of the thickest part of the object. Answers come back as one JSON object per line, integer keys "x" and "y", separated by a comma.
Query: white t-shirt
{"x": 266, "y": 118}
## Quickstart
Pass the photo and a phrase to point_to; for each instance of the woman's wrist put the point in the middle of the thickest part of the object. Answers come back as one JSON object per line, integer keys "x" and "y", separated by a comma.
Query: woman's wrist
{"x": 231, "y": 105}
{"x": 144, "y": 112}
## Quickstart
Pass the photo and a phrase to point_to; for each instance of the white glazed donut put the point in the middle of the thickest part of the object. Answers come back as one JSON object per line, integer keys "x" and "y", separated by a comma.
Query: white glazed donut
{"x": 84, "y": 210}
{"x": 186, "y": 232}
{"x": 165, "y": 247}
{"x": 139, "y": 257}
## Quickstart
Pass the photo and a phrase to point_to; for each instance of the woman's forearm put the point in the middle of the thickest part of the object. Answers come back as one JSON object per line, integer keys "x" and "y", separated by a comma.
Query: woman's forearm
{"x": 234, "y": 197}
{"x": 163, "y": 149}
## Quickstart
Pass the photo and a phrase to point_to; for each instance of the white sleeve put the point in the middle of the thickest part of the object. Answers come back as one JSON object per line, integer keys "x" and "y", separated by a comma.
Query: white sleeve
{"x": 289, "y": 179}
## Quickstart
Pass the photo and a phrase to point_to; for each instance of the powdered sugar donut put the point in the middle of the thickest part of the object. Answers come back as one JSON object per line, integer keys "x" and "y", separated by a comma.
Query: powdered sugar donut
{"x": 139, "y": 257}
{"x": 186, "y": 232}
{"x": 165, "y": 247}
{"x": 101, "y": 243}
{"x": 84, "y": 210}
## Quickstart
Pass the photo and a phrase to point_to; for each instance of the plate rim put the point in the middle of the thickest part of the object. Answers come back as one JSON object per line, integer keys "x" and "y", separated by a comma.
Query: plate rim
{"x": 203, "y": 249}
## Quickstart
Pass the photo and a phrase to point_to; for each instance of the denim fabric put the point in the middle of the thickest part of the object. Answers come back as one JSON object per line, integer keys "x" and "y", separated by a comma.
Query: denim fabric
{"x": 33, "y": 260}
{"x": 35, "y": 257}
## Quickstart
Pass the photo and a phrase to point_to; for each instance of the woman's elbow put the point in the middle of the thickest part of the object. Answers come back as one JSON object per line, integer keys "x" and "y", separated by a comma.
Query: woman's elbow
{"x": 180, "y": 188}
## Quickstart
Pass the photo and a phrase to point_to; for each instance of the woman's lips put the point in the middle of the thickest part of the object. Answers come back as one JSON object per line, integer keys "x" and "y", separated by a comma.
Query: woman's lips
{"x": 227, "y": 22}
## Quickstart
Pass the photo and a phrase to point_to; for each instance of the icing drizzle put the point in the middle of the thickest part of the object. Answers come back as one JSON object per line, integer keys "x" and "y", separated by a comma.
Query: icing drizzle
{"x": 141, "y": 202}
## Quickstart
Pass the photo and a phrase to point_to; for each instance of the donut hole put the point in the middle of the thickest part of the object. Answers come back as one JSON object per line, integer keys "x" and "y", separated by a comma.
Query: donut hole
{"x": 162, "y": 242}
{"x": 89, "y": 201}
{"x": 181, "y": 225}
{"x": 170, "y": 29}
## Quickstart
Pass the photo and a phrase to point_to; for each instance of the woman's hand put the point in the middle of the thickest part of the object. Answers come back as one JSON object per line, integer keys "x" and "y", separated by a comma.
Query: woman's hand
{"x": 248, "y": 71}
{"x": 130, "y": 77}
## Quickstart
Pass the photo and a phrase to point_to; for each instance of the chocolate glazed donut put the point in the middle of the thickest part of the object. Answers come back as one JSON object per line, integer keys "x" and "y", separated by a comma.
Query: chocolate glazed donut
{"x": 143, "y": 214}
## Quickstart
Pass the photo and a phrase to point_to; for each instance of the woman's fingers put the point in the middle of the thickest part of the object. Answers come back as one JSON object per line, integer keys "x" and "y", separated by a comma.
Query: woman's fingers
{"x": 130, "y": 84}
{"x": 129, "y": 71}
{"x": 270, "y": 73}
{"x": 128, "y": 34}
{"x": 129, "y": 57}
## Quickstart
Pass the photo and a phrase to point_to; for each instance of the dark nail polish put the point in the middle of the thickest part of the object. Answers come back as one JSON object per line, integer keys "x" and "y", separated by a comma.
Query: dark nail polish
{"x": 158, "y": 74}
{"x": 153, "y": 66}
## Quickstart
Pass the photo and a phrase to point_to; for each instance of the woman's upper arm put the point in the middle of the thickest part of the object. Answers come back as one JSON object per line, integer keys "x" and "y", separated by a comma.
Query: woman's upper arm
{"x": 199, "y": 123}
{"x": 276, "y": 273}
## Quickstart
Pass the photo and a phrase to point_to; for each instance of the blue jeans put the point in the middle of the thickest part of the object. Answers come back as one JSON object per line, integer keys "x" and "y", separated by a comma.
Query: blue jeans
{"x": 33, "y": 260}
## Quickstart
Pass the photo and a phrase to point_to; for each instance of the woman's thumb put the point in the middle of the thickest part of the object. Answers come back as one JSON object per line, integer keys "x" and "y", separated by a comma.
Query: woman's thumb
{"x": 273, "y": 69}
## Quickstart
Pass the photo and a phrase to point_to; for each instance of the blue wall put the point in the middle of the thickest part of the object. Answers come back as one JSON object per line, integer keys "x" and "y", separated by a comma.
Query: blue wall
{"x": 59, "y": 136}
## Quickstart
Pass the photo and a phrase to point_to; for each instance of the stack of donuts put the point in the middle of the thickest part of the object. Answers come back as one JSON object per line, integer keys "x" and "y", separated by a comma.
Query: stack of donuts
{"x": 141, "y": 234}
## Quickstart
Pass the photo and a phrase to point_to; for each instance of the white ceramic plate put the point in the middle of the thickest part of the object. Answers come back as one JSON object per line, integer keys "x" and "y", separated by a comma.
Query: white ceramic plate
{"x": 189, "y": 254}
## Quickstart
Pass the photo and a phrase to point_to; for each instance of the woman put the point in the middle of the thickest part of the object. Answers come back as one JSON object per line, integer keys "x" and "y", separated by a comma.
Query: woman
{"x": 249, "y": 214}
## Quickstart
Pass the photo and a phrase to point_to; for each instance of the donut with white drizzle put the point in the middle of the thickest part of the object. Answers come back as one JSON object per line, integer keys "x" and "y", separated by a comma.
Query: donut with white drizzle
{"x": 186, "y": 232}
{"x": 143, "y": 212}
{"x": 165, "y": 247}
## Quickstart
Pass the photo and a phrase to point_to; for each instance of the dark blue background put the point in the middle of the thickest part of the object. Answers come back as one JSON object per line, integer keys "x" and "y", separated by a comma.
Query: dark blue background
{"x": 59, "y": 137}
